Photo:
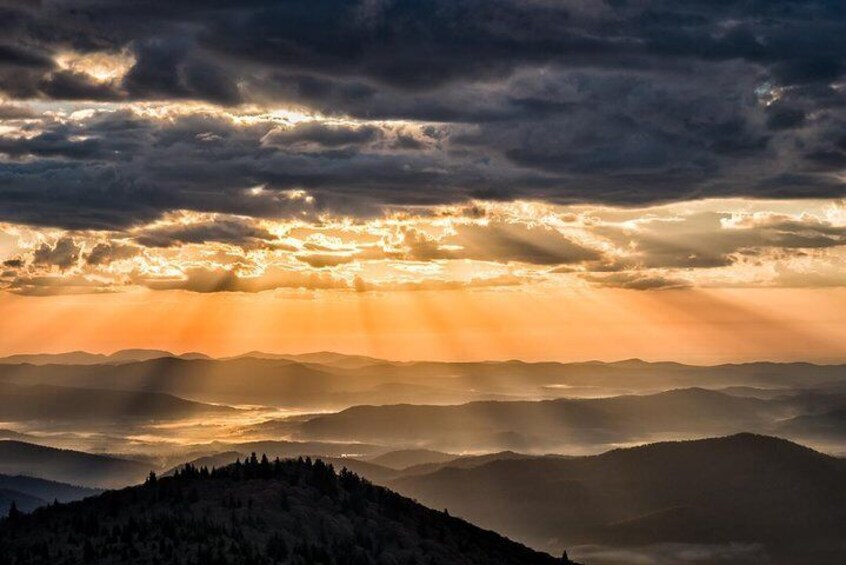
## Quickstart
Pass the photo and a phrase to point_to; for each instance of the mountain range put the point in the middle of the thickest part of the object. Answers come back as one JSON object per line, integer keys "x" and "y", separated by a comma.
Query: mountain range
{"x": 60, "y": 403}
{"x": 86, "y": 358}
{"x": 544, "y": 426}
{"x": 335, "y": 381}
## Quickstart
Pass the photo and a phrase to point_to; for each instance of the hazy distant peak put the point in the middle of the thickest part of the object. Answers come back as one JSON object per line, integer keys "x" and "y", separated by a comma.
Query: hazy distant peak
{"x": 86, "y": 358}
{"x": 340, "y": 360}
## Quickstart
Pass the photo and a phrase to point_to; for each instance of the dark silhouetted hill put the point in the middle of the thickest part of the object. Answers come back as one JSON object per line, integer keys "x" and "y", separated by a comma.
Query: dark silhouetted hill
{"x": 22, "y": 501}
{"x": 739, "y": 489}
{"x": 370, "y": 471}
{"x": 67, "y": 466}
{"x": 259, "y": 512}
{"x": 30, "y": 492}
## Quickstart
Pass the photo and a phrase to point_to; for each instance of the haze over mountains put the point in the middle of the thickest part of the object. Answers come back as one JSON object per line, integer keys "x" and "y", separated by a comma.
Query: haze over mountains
{"x": 48, "y": 402}
{"x": 333, "y": 381}
{"x": 532, "y": 407}
{"x": 740, "y": 499}
{"x": 85, "y": 358}
{"x": 547, "y": 425}
{"x": 526, "y": 449}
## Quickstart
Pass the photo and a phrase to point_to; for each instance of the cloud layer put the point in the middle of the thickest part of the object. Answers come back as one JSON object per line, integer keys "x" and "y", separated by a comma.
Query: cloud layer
{"x": 716, "y": 243}
{"x": 443, "y": 143}
{"x": 412, "y": 103}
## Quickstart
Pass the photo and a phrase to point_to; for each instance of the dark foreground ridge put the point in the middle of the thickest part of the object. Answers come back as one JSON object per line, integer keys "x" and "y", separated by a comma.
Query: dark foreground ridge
{"x": 253, "y": 513}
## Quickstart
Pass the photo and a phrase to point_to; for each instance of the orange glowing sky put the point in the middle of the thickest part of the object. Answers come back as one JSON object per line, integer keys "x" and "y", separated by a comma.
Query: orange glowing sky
{"x": 416, "y": 190}
{"x": 696, "y": 326}
{"x": 700, "y": 282}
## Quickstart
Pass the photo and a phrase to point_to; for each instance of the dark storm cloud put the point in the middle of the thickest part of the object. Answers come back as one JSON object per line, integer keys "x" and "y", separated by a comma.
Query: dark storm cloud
{"x": 322, "y": 135}
{"x": 105, "y": 253}
{"x": 233, "y": 232}
{"x": 63, "y": 254}
{"x": 567, "y": 101}
{"x": 51, "y": 144}
{"x": 12, "y": 57}
{"x": 66, "y": 85}
{"x": 428, "y": 43}
{"x": 113, "y": 170}
{"x": 165, "y": 69}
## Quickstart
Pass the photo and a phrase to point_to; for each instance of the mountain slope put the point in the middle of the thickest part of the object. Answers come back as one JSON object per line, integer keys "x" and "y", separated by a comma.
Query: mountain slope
{"x": 74, "y": 467}
{"x": 827, "y": 425}
{"x": 404, "y": 458}
{"x": 11, "y": 434}
{"x": 44, "y": 489}
{"x": 23, "y": 502}
{"x": 550, "y": 425}
{"x": 46, "y": 402}
{"x": 237, "y": 381}
{"x": 255, "y": 513}
{"x": 742, "y": 488}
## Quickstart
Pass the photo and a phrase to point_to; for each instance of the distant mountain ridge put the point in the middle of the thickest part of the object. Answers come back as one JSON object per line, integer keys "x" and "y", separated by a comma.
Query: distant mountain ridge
{"x": 331, "y": 380}
{"x": 50, "y": 402}
{"x": 86, "y": 358}
{"x": 451, "y": 407}
{"x": 548, "y": 425}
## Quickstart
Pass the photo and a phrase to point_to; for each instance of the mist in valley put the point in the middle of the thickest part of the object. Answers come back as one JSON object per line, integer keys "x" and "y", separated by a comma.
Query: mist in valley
{"x": 628, "y": 462}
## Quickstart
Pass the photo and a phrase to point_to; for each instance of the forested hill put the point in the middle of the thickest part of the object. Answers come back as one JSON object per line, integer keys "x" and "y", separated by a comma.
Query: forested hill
{"x": 253, "y": 513}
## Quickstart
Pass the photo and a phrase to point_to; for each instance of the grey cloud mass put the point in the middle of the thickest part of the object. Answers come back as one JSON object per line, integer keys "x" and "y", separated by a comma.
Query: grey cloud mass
{"x": 617, "y": 102}
{"x": 230, "y": 231}
{"x": 64, "y": 254}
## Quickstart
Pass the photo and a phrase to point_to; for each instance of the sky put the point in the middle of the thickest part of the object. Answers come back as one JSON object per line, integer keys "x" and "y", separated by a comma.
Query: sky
{"x": 451, "y": 179}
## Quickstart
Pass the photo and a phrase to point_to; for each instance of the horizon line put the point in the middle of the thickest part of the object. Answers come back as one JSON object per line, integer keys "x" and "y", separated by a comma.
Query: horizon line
{"x": 820, "y": 362}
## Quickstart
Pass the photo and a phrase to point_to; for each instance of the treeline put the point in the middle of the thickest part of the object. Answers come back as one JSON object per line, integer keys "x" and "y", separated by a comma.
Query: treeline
{"x": 255, "y": 512}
